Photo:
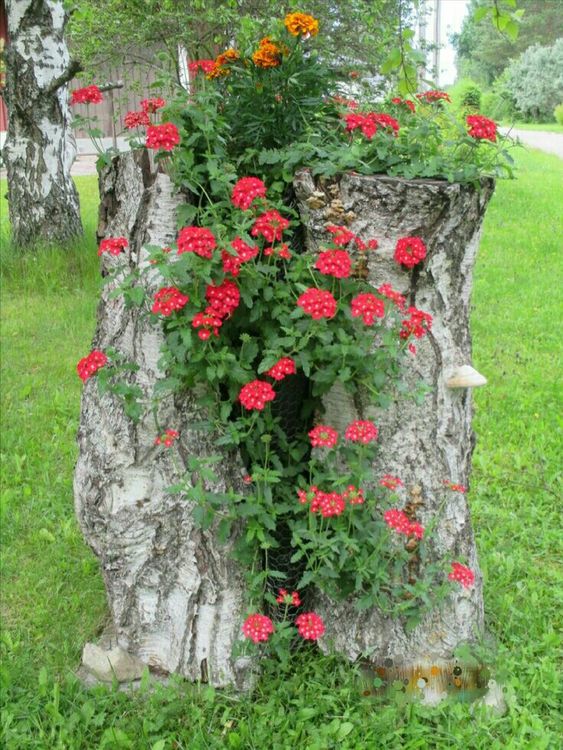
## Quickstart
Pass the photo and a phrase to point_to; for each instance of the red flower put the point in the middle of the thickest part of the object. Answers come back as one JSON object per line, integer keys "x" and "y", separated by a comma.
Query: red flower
{"x": 341, "y": 235}
{"x": 168, "y": 438}
{"x": 282, "y": 251}
{"x": 284, "y": 597}
{"x": 391, "y": 482}
{"x": 398, "y": 520}
{"x": 323, "y": 436}
{"x": 433, "y": 96}
{"x": 361, "y": 431}
{"x": 206, "y": 66}
{"x": 208, "y": 323}
{"x": 245, "y": 192}
{"x": 244, "y": 253}
{"x": 455, "y": 487}
{"x": 223, "y": 298}
{"x": 113, "y": 245}
{"x": 310, "y": 626}
{"x": 349, "y": 103}
{"x": 417, "y": 325}
{"x": 335, "y": 263}
{"x": 481, "y": 127}
{"x": 368, "y": 307}
{"x": 462, "y": 574}
{"x": 404, "y": 102}
{"x": 317, "y": 303}
{"x": 89, "y": 365}
{"x": 258, "y": 628}
{"x": 136, "y": 120}
{"x": 151, "y": 105}
{"x": 354, "y": 495}
{"x": 385, "y": 121}
{"x": 356, "y": 120}
{"x": 386, "y": 290}
{"x": 196, "y": 240}
{"x": 168, "y": 299}
{"x": 87, "y": 95}
{"x": 284, "y": 366}
{"x": 256, "y": 394}
{"x": 330, "y": 504}
{"x": 307, "y": 496}
{"x": 410, "y": 251}
{"x": 270, "y": 225}
{"x": 164, "y": 136}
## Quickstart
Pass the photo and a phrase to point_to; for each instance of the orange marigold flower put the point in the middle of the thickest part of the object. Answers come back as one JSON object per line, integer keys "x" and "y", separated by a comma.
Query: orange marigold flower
{"x": 225, "y": 58}
{"x": 268, "y": 55}
{"x": 301, "y": 24}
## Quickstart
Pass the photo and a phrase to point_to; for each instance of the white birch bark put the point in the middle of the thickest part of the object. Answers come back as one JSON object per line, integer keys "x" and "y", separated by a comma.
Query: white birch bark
{"x": 40, "y": 146}
{"x": 176, "y": 598}
{"x": 426, "y": 444}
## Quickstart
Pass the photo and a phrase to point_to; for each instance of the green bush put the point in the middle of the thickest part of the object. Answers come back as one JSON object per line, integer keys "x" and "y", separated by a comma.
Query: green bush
{"x": 558, "y": 113}
{"x": 466, "y": 96}
{"x": 535, "y": 81}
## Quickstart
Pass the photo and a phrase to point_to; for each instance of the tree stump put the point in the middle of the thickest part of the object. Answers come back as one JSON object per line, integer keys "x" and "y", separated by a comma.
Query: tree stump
{"x": 425, "y": 444}
{"x": 175, "y": 596}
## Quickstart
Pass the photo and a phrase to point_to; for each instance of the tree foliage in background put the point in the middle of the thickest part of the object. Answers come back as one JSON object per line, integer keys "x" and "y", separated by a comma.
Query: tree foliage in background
{"x": 485, "y": 49}
{"x": 355, "y": 33}
{"x": 535, "y": 81}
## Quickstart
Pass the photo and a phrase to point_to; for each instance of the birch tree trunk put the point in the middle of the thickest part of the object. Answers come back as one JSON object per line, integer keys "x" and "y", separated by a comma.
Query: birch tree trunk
{"x": 40, "y": 147}
{"x": 176, "y": 597}
{"x": 426, "y": 444}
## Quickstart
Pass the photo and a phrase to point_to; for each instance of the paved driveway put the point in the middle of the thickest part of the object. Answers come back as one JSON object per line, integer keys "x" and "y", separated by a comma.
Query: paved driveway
{"x": 552, "y": 143}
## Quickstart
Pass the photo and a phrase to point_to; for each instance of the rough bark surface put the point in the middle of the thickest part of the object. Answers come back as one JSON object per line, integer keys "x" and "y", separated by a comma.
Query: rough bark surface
{"x": 175, "y": 596}
{"x": 40, "y": 147}
{"x": 426, "y": 444}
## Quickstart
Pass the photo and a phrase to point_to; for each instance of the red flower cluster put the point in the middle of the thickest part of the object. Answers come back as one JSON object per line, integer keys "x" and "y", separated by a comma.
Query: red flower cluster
{"x": 196, "y": 240}
{"x": 168, "y": 299}
{"x": 404, "y": 102}
{"x": 391, "y": 482}
{"x": 270, "y": 225}
{"x": 206, "y": 66}
{"x": 368, "y": 123}
{"x": 368, "y": 307}
{"x": 343, "y": 236}
{"x": 386, "y": 290}
{"x": 317, "y": 303}
{"x": 91, "y": 364}
{"x": 409, "y": 251}
{"x": 354, "y": 495}
{"x": 310, "y": 626}
{"x": 164, "y": 136}
{"x": 87, "y": 95}
{"x": 361, "y": 431}
{"x": 398, "y": 520}
{"x": 481, "y": 127}
{"x": 323, "y": 437}
{"x": 113, "y": 245}
{"x": 417, "y": 325}
{"x": 335, "y": 263}
{"x": 208, "y": 324}
{"x": 136, "y": 120}
{"x": 284, "y": 597}
{"x": 282, "y": 251}
{"x": 256, "y": 394}
{"x": 151, "y": 105}
{"x": 433, "y": 96}
{"x": 350, "y": 103}
{"x": 462, "y": 574}
{"x": 167, "y": 438}
{"x": 244, "y": 253}
{"x": 327, "y": 503}
{"x": 245, "y": 192}
{"x": 258, "y": 628}
{"x": 455, "y": 487}
{"x": 223, "y": 298}
{"x": 308, "y": 496}
{"x": 284, "y": 366}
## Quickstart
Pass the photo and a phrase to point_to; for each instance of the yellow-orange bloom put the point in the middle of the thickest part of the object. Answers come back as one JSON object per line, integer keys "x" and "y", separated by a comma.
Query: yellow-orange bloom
{"x": 226, "y": 57}
{"x": 300, "y": 24}
{"x": 268, "y": 55}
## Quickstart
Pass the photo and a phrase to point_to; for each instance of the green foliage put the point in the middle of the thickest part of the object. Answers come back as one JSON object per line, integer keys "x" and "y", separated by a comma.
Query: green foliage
{"x": 53, "y": 598}
{"x": 535, "y": 81}
{"x": 486, "y": 47}
{"x": 558, "y": 113}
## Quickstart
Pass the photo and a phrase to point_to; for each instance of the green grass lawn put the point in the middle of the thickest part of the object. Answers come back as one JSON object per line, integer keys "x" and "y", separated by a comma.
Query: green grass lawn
{"x": 53, "y": 600}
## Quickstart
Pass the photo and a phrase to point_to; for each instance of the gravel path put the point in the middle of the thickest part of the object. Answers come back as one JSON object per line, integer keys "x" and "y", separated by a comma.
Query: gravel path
{"x": 552, "y": 143}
